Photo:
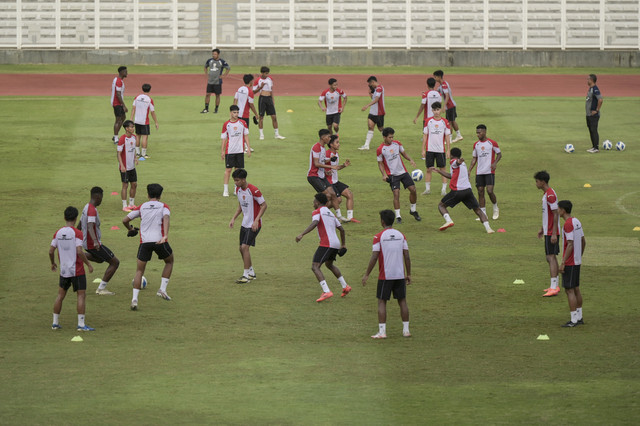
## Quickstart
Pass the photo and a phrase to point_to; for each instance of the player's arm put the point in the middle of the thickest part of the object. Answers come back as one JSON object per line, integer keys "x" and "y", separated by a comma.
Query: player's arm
{"x": 554, "y": 229}
{"x": 92, "y": 232}
{"x": 419, "y": 112}
{"x": 256, "y": 221}
{"x": 84, "y": 259}
{"x": 474, "y": 160}
{"x": 407, "y": 265}
{"x": 322, "y": 107}
{"x": 383, "y": 171}
{"x": 425, "y": 139}
{"x": 121, "y": 165}
{"x": 373, "y": 101}
{"x": 52, "y": 251}
{"x": 405, "y": 155}
{"x": 155, "y": 119}
{"x": 226, "y": 69}
{"x": 253, "y": 108}
{"x": 568, "y": 252}
{"x": 447, "y": 145}
{"x": 441, "y": 172}
{"x": 446, "y": 99}
{"x": 343, "y": 237}
{"x": 119, "y": 96}
{"x": 372, "y": 263}
{"x": 235, "y": 216}
{"x": 222, "y": 148}
{"x": 306, "y": 231}
{"x": 133, "y": 111}
{"x": 344, "y": 104}
{"x": 319, "y": 164}
{"x": 495, "y": 163}
{"x": 165, "y": 227}
{"x": 584, "y": 244}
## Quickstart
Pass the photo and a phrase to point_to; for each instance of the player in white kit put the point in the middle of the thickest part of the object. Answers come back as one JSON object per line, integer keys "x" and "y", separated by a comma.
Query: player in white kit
{"x": 574, "y": 244}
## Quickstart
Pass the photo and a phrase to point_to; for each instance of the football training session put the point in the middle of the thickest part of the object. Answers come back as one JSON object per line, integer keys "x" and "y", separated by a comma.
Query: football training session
{"x": 208, "y": 225}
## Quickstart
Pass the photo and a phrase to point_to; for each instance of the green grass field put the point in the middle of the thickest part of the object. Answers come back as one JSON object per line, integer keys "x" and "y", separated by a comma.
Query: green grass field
{"x": 266, "y": 353}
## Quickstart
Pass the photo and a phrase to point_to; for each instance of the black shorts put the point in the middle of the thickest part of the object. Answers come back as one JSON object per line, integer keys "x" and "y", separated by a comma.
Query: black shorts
{"x": 143, "y": 129}
{"x": 246, "y": 120}
{"x": 79, "y": 282}
{"x": 102, "y": 254}
{"x": 146, "y": 250}
{"x": 466, "y": 196}
{"x": 485, "y": 180}
{"x": 439, "y": 158}
{"x": 118, "y": 111}
{"x": 549, "y": 247}
{"x": 248, "y": 236}
{"x": 451, "y": 114}
{"x": 378, "y": 120}
{"x": 318, "y": 183}
{"x": 405, "y": 178}
{"x": 265, "y": 106}
{"x": 333, "y": 118}
{"x": 214, "y": 88}
{"x": 571, "y": 276}
{"x": 129, "y": 176}
{"x": 338, "y": 187}
{"x": 386, "y": 287}
{"x": 325, "y": 254}
{"x": 234, "y": 160}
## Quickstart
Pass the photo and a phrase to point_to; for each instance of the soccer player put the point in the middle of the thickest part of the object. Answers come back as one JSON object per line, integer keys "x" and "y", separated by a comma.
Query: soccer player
{"x": 127, "y": 163}
{"x": 449, "y": 103}
{"x": 550, "y": 229}
{"x": 334, "y": 100}
{"x": 592, "y": 106}
{"x": 244, "y": 99}
{"x": 154, "y": 232}
{"x": 235, "y": 135}
{"x": 341, "y": 189}
{"x": 117, "y": 101}
{"x": 252, "y": 205}
{"x": 573, "y": 249}
{"x": 394, "y": 172}
{"x": 330, "y": 246}
{"x": 68, "y": 241}
{"x": 215, "y": 68}
{"x": 391, "y": 251}
{"x": 95, "y": 250}
{"x": 428, "y": 99}
{"x": 316, "y": 175}
{"x": 436, "y": 145}
{"x": 486, "y": 154}
{"x": 142, "y": 106}
{"x": 460, "y": 191}
{"x": 265, "y": 102}
{"x": 376, "y": 111}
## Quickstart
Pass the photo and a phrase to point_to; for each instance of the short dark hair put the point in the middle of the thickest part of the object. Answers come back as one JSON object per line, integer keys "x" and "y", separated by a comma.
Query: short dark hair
{"x": 333, "y": 138}
{"x": 388, "y": 131}
{"x": 322, "y": 198}
{"x": 323, "y": 132}
{"x": 542, "y": 175}
{"x": 154, "y": 190}
{"x": 239, "y": 174}
{"x": 481, "y": 126}
{"x": 121, "y": 68}
{"x": 593, "y": 78}
{"x": 216, "y": 50}
{"x": 331, "y": 81}
{"x": 127, "y": 123}
{"x": 264, "y": 69}
{"x": 247, "y": 78}
{"x": 234, "y": 108}
{"x": 431, "y": 82}
{"x": 96, "y": 190}
{"x": 70, "y": 214}
{"x": 146, "y": 88}
{"x": 435, "y": 105}
{"x": 565, "y": 205}
{"x": 387, "y": 217}
{"x": 372, "y": 78}
{"x": 456, "y": 152}
{"x": 438, "y": 73}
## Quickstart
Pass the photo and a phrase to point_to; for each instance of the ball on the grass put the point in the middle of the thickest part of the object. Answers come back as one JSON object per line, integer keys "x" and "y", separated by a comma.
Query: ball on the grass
{"x": 620, "y": 146}
{"x": 607, "y": 145}
{"x": 569, "y": 148}
{"x": 417, "y": 175}
{"x": 143, "y": 282}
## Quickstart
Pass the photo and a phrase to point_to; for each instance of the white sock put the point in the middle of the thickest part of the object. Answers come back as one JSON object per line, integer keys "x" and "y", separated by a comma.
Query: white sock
{"x": 486, "y": 226}
{"x": 251, "y": 271}
{"x": 458, "y": 133}
{"x": 427, "y": 185}
{"x": 262, "y": 132}
{"x": 554, "y": 283}
{"x": 405, "y": 326}
{"x": 138, "y": 150}
{"x": 382, "y": 328}
{"x": 124, "y": 203}
{"x": 444, "y": 186}
{"x": 56, "y": 318}
{"x": 132, "y": 201}
{"x": 367, "y": 141}
{"x": 397, "y": 212}
{"x": 412, "y": 208}
{"x": 115, "y": 136}
{"x": 144, "y": 151}
{"x": 80, "y": 320}
{"x": 325, "y": 287}
{"x": 164, "y": 282}
{"x": 579, "y": 312}
{"x": 349, "y": 214}
{"x": 135, "y": 293}
{"x": 447, "y": 218}
{"x": 226, "y": 187}
{"x": 343, "y": 282}
{"x": 103, "y": 285}
{"x": 246, "y": 273}
{"x": 574, "y": 316}
{"x": 495, "y": 207}
{"x": 338, "y": 213}
{"x": 484, "y": 210}
{"x": 276, "y": 131}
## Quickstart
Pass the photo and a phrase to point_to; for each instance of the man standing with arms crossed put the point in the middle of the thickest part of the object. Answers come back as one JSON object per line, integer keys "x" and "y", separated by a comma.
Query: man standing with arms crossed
{"x": 215, "y": 68}
{"x": 593, "y": 105}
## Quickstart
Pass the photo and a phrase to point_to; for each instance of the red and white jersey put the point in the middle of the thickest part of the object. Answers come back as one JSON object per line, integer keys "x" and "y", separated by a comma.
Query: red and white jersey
{"x": 446, "y": 89}
{"x": 90, "y": 218}
{"x": 151, "y": 216}
{"x": 117, "y": 85}
{"x": 378, "y": 107}
{"x": 436, "y": 131}
{"x": 268, "y": 84}
{"x": 144, "y": 105}
{"x": 318, "y": 152}
{"x": 327, "y": 225}
{"x": 250, "y": 200}
{"x": 485, "y": 151}
{"x": 332, "y": 174}
{"x": 234, "y": 133}
{"x": 390, "y": 157}
{"x": 244, "y": 98}
{"x": 333, "y": 100}
{"x": 572, "y": 231}
{"x": 549, "y": 204}
{"x": 66, "y": 240}
{"x": 390, "y": 245}
{"x": 459, "y": 176}
{"x": 428, "y": 98}
{"x": 127, "y": 151}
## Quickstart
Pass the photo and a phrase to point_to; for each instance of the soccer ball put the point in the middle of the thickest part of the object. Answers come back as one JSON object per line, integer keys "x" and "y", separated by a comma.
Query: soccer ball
{"x": 568, "y": 148}
{"x": 620, "y": 146}
{"x": 143, "y": 283}
{"x": 417, "y": 174}
{"x": 607, "y": 145}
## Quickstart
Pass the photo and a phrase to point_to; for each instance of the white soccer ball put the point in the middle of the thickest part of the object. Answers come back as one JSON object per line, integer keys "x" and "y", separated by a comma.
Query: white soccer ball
{"x": 620, "y": 146}
{"x": 607, "y": 145}
{"x": 569, "y": 148}
{"x": 143, "y": 283}
{"x": 417, "y": 175}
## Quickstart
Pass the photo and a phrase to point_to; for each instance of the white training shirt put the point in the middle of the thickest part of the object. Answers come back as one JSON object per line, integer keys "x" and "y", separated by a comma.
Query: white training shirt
{"x": 572, "y": 231}
{"x": 250, "y": 200}
{"x": 151, "y": 216}
{"x": 332, "y": 100}
{"x": 428, "y": 98}
{"x": 327, "y": 225}
{"x": 244, "y": 98}
{"x": 459, "y": 176}
{"x": 485, "y": 152}
{"x": 436, "y": 131}
{"x": 66, "y": 240}
{"x": 127, "y": 151}
{"x": 144, "y": 105}
{"x": 390, "y": 245}
{"x": 268, "y": 84}
{"x": 389, "y": 155}
{"x": 234, "y": 132}
{"x": 90, "y": 217}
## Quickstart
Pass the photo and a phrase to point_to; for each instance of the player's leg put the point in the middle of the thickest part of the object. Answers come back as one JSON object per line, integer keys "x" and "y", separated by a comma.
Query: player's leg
{"x": 481, "y": 215}
{"x": 137, "y": 278}
{"x": 225, "y": 181}
{"x": 494, "y": 201}
{"x": 576, "y": 290}
{"x": 396, "y": 201}
{"x": 315, "y": 268}
{"x": 217, "y": 101}
{"x": 114, "y": 264}
{"x": 348, "y": 194}
{"x": 207, "y": 98}
{"x": 552, "y": 260}
{"x": 321, "y": 255}
{"x": 382, "y": 320}
{"x": 481, "y": 200}
{"x": 573, "y": 306}
{"x": 57, "y": 306}
{"x": 367, "y": 141}
{"x": 104, "y": 254}
{"x": 413, "y": 198}
{"x": 80, "y": 287}
{"x": 442, "y": 209}
{"x": 445, "y": 182}
{"x": 404, "y": 315}
{"x": 132, "y": 193}
{"x": 123, "y": 192}
{"x": 138, "y": 140}
{"x": 336, "y": 128}
{"x": 428, "y": 162}
{"x": 143, "y": 143}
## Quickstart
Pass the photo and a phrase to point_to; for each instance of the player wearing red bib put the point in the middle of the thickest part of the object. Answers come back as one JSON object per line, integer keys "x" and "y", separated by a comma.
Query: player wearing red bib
{"x": 333, "y": 104}
{"x": 436, "y": 145}
{"x": 377, "y": 111}
{"x": 550, "y": 229}
{"x": 127, "y": 163}
{"x": 573, "y": 249}
{"x": 68, "y": 241}
{"x": 252, "y": 205}
{"x": 428, "y": 99}
{"x": 330, "y": 245}
{"x": 142, "y": 106}
{"x": 117, "y": 101}
{"x": 486, "y": 154}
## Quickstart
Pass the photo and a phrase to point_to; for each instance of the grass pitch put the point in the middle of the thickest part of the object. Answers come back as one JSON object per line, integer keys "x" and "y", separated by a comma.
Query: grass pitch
{"x": 266, "y": 353}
